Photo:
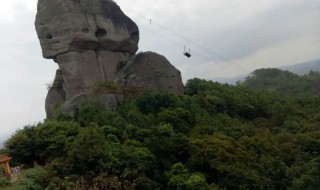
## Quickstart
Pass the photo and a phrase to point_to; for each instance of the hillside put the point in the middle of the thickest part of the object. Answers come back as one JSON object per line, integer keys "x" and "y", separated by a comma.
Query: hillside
{"x": 284, "y": 82}
{"x": 216, "y": 136}
{"x": 229, "y": 80}
{"x": 300, "y": 69}
{"x": 303, "y": 68}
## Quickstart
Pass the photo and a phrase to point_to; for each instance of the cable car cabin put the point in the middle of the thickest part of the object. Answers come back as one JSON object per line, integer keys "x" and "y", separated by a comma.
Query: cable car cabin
{"x": 187, "y": 54}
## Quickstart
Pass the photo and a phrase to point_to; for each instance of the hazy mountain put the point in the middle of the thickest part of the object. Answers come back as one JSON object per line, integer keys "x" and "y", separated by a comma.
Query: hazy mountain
{"x": 284, "y": 82}
{"x": 303, "y": 68}
{"x": 300, "y": 69}
{"x": 231, "y": 80}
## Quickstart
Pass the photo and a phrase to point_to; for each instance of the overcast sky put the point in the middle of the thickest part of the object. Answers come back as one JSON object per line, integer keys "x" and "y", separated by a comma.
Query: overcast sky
{"x": 227, "y": 38}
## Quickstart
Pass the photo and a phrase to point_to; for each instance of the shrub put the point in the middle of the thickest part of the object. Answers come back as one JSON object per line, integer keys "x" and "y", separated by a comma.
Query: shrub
{"x": 34, "y": 179}
{"x": 4, "y": 182}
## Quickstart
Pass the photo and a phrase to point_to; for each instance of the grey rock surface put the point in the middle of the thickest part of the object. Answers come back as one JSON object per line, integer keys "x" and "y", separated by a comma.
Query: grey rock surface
{"x": 82, "y": 70}
{"x": 109, "y": 101}
{"x": 94, "y": 43}
{"x": 79, "y": 25}
{"x": 55, "y": 96}
{"x": 150, "y": 71}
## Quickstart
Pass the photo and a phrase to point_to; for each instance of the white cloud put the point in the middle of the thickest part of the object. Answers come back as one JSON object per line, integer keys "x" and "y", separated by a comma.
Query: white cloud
{"x": 287, "y": 53}
{"x": 24, "y": 72}
{"x": 233, "y": 29}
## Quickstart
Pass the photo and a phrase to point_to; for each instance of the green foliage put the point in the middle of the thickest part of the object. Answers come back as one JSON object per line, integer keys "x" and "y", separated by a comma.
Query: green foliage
{"x": 226, "y": 162}
{"x": 102, "y": 181}
{"x": 86, "y": 154}
{"x": 34, "y": 179}
{"x": 53, "y": 136}
{"x": 194, "y": 86}
{"x": 168, "y": 147}
{"x": 21, "y": 146}
{"x": 153, "y": 103}
{"x": 4, "y": 182}
{"x": 110, "y": 87}
{"x": 216, "y": 136}
{"x": 284, "y": 82}
{"x": 88, "y": 112}
{"x": 181, "y": 178}
{"x": 181, "y": 120}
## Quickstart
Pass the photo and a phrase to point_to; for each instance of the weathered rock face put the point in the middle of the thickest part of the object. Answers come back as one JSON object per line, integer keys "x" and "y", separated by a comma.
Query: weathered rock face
{"x": 150, "y": 71}
{"x": 94, "y": 42}
{"x": 79, "y": 25}
{"x": 82, "y": 70}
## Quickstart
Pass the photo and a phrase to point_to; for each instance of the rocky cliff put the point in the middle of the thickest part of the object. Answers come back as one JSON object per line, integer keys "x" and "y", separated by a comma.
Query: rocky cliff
{"x": 94, "y": 43}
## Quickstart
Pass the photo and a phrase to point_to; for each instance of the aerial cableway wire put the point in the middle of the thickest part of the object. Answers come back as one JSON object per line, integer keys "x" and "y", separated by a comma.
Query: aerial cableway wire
{"x": 216, "y": 57}
{"x": 180, "y": 44}
{"x": 152, "y": 22}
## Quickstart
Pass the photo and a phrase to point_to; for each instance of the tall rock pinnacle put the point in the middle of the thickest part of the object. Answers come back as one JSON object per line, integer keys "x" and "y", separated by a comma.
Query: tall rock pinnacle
{"x": 94, "y": 42}
{"x": 78, "y": 25}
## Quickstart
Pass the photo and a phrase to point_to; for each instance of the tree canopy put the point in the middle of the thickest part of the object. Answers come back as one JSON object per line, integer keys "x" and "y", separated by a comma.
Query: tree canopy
{"x": 249, "y": 136}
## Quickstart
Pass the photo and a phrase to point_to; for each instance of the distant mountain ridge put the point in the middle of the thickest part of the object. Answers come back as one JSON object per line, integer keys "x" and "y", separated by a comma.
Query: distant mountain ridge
{"x": 229, "y": 80}
{"x": 284, "y": 82}
{"x": 303, "y": 68}
{"x": 300, "y": 69}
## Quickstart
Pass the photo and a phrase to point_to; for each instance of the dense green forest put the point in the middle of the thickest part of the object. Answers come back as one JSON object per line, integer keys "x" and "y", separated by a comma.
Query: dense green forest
{"x": 263, "y": 133}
